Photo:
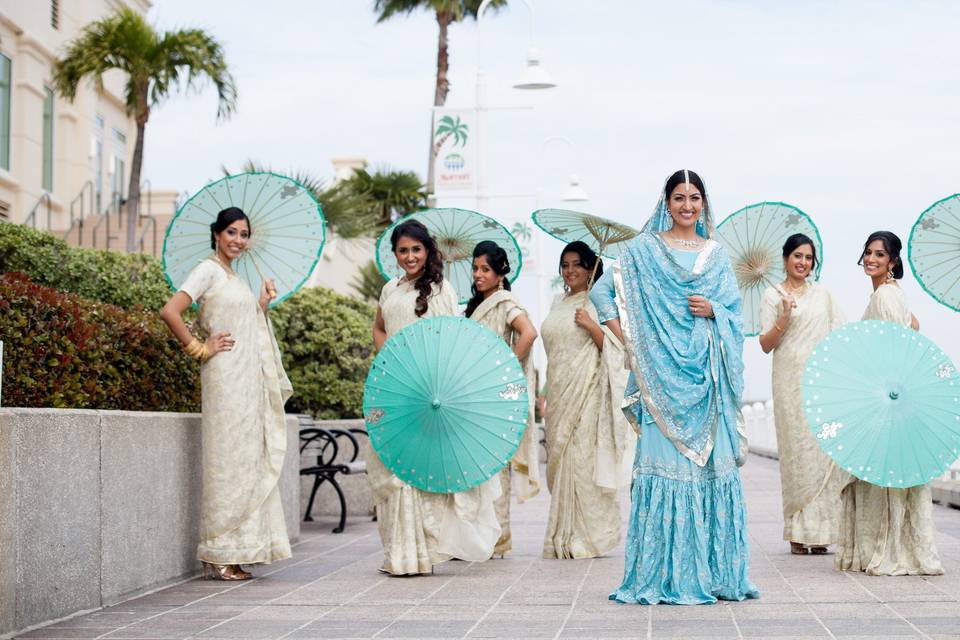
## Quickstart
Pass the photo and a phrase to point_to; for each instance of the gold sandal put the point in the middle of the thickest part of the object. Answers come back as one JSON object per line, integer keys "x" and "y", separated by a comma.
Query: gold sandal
{"x": 226, "y": 572}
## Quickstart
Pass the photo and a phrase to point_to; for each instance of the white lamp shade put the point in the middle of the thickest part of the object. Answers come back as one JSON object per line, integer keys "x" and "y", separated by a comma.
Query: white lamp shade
{"x": 534, "y": 76}
{"x": 574, "y": 192}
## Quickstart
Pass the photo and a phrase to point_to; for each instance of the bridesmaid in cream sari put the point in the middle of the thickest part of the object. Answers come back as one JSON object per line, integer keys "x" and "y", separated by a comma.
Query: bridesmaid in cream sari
{"x": 495, "y": 307}
{"x": 243, "y": 390}
{"x": 587, "y": 433}
{"x": 795, "y": 315}
{"x": 420, "y": 529}
{"x": 884, "y": 531}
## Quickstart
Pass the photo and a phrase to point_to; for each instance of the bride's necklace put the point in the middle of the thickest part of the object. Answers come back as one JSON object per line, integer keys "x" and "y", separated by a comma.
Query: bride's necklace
{"x": 692, "y": 244}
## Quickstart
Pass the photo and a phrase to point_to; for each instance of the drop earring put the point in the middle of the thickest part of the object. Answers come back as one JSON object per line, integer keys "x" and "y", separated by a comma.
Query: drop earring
{"x": 500, "y": 285}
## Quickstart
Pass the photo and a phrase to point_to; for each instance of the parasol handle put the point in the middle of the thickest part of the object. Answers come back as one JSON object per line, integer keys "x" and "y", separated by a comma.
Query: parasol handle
{"x": 593, "y": 273}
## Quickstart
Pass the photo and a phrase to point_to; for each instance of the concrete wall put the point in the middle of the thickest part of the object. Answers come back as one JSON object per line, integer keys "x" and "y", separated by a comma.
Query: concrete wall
{"x": 97, "y": 506}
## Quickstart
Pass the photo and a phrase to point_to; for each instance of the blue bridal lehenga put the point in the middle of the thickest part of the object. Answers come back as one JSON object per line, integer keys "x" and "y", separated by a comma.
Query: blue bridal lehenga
{"x": 687, "y": 537}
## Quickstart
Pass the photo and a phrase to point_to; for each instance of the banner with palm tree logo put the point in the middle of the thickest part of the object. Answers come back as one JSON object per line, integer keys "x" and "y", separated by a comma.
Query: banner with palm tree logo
{"x": 453, "y": 149}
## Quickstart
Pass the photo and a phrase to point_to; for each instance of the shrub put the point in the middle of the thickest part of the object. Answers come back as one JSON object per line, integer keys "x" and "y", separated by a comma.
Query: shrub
{"x": 125, "y": 280}
{"x": 61, "y": 350}
{"x": 327, "y": 349}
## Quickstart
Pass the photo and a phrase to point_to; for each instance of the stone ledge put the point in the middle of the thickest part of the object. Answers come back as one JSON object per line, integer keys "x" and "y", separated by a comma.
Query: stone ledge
{"x": 99, "y": 506}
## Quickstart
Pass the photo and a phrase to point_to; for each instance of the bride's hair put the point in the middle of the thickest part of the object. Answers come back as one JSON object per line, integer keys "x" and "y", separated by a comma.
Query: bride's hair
{"x": 678, "y": 178}
{"x": 498, "y": 261}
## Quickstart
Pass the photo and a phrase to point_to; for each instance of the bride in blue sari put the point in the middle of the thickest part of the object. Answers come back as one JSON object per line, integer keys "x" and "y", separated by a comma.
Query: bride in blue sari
{"x": 687, "y": 536}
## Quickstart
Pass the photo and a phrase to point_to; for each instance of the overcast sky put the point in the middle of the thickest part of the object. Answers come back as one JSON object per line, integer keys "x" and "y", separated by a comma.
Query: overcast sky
{"x": 847, "y": 110}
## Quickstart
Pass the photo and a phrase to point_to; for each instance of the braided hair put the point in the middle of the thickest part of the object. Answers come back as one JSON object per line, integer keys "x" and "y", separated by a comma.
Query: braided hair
{"x": 433, "y": 268}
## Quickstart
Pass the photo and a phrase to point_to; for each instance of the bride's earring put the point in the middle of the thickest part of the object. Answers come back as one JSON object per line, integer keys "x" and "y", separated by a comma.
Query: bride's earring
{"x": 890, "y": 277}
{"x": 500, "y": 285}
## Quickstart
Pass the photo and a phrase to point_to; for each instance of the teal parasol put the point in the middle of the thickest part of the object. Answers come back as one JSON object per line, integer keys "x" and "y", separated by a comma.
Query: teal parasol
{"x": 754, "y": 237}
{"x": 457, "y": 232}
{"x": 287, "y": 228}
{"x": 884, "y": 402}
{"x": 445, "y": 404}
{"x": 604, "y": 236}
{"x": 934, "y": 250}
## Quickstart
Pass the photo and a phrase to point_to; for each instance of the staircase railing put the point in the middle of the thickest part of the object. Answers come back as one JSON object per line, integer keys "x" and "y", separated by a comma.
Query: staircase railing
{"x": 31, "y": 218}
{"x": 79, "y": 210}
{"x": 114, "y": 206}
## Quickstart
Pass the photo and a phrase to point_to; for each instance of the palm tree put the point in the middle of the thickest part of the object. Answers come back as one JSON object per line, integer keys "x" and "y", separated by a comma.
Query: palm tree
{"x": 446, "y": 12}
{"x": 349, "y": 213}
{"x": 156, "y": 64}
{"x": 522, "y": 231}
{"x": 393, "y": 194}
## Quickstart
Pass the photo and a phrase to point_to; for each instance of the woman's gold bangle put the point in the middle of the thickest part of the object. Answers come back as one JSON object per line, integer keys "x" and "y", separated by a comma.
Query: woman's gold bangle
{"x": 779, "y": 328}
{"x": 196, "y": 349}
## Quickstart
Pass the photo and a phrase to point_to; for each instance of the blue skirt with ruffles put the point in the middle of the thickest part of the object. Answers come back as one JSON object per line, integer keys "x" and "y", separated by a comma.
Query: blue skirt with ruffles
{"x": 687, "y": 536}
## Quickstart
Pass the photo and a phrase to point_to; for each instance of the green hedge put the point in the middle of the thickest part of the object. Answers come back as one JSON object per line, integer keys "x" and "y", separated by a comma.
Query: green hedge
{"x": 327, "y": 347}
{"x": 70, "y": 351}
{"x": 114, "y": 278}
{"x": 61, "y": 350}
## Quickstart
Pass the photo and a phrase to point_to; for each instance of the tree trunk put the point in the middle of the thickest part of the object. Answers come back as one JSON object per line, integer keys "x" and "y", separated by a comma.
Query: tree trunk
{"x": 440, "y": 91}
{"x": 443, "y": 60}
{"x": 133, "y": 191}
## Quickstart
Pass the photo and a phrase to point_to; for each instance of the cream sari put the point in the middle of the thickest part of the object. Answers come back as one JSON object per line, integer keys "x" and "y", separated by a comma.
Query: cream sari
{"x": 810, "y": 482}
{"x": 588, "y": 436}
{"x": 244, "y": 432}
{"x": 497, "y": 313}
{"x": 884, "y": 531}
{"x": 420, "y": 529}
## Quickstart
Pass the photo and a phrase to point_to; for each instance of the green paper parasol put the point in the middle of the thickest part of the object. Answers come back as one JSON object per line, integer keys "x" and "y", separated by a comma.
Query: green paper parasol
{"x": 286, "y": 223}
{"x": 445, "y": 404}
{"x": 883, "y": 402}
{"x": 457, "y": 232}
{"x": 754, "y": 237}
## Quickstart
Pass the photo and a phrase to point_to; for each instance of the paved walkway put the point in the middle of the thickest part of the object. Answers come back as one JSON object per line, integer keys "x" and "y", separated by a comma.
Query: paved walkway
{"x": 331, "y": 589}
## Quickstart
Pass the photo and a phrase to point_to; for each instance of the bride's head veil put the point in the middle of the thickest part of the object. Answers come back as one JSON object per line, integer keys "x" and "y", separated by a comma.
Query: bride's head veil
{"x": 662, "y": 221}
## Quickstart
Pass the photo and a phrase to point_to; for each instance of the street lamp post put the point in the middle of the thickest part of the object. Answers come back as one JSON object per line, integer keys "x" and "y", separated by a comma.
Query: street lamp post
{"x": 534, "y": 76}
{"x": 572, "y": 193}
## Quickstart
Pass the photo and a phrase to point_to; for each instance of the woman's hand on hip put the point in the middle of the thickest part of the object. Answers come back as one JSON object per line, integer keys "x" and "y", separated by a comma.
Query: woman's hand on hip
{"x": 700, "y": 306}
{"x": 219, "y": 342}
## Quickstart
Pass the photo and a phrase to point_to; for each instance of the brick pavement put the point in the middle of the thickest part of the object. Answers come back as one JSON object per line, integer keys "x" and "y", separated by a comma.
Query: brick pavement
{"x": 331, "y": 589}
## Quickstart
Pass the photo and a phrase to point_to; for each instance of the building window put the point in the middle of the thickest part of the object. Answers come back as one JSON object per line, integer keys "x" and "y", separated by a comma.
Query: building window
{"x": 55, "y": 14}
{"x": 5, "y": 112}
{"x": 119, "y": 136}
{"x": 48, "y": 140}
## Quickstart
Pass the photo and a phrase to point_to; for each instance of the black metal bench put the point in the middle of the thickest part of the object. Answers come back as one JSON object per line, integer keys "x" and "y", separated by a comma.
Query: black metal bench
{"x": 332, "y": 452}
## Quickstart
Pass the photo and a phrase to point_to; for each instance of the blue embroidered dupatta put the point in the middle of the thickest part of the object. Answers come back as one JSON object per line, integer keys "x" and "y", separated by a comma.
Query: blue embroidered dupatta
{"x": 687, "y": 371}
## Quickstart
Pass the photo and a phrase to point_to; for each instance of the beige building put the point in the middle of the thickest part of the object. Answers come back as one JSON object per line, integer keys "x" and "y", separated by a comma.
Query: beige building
{"x": 59, "y": 160}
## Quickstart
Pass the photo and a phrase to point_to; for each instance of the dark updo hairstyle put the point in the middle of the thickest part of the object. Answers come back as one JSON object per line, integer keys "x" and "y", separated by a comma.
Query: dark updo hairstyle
{"x": 432, "y": 270}
{"x": 588, "y": 257}
{"x": 498, "y": 261}
{"x": 677, "y": 178}
{"x": 798, "y": 240}
{"x": 892, "y": 245}
{"x": 224, "y": 219}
